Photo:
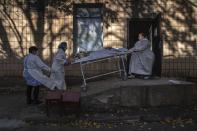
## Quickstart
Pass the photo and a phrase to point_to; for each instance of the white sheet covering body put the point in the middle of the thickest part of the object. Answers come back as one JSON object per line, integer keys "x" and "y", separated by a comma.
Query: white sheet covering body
{"x": 34, "y": 68}
{"x": 58, "y": 71}
{"x": 101, "y": 54}
{"x": 142, "y": 58}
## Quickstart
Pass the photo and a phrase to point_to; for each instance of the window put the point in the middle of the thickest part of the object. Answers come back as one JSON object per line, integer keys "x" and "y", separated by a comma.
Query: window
{"x": 88, "y": 27}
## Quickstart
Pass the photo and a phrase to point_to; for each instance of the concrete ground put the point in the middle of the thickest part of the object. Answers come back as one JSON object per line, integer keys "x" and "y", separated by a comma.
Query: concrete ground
{"x": 16, "y": 115}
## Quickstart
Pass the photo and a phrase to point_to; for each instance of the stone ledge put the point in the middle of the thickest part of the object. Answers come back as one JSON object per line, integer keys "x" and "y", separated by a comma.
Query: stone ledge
{"x": 140, "y": 93}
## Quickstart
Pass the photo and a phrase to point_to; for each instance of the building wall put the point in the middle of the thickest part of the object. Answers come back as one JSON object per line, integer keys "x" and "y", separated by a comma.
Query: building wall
{"x": 21, "y": 27}
{"x": 179, "y": 29}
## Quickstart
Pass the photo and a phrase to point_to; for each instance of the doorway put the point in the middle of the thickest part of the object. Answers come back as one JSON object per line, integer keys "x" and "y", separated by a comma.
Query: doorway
{"x": 151, "y": 27}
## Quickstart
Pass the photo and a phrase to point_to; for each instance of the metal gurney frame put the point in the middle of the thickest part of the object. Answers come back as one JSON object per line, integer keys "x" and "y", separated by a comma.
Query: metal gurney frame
{"x": 120, "y": 56}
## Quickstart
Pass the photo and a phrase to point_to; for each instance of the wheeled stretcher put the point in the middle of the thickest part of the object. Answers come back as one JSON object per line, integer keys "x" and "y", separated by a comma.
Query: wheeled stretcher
{"x": 102, "y": 55}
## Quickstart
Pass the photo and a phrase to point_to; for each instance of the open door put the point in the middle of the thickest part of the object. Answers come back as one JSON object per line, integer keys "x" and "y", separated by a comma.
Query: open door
{"x": 150, "y": 34}
{"x": 157, "y": 45}
{"x": 135, "y": 26}
{"x": 151, "y": 27}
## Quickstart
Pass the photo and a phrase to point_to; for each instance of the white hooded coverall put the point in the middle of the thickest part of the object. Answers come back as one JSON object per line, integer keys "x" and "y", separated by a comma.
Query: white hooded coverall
{"x": 142, "y": 58}
{"x": 58, "y": 71}
{"x": 33, "y": 66}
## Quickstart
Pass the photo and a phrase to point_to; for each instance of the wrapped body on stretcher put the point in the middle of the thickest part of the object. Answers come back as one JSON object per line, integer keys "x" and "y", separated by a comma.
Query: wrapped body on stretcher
{"x": 104, "y": 53}
{"x": 101, "y": 55}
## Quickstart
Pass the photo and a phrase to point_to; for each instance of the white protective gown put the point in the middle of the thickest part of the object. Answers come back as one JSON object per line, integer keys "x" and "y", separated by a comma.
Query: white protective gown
{"x": 58, "y": 71}
{"x": 142, "y": 58}
{"x": 34, "y": 67}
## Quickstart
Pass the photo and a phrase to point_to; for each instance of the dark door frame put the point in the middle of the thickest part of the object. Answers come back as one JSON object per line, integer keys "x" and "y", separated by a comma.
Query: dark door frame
{"x": 157, "y": 41}
{"x": 158, "y": 45}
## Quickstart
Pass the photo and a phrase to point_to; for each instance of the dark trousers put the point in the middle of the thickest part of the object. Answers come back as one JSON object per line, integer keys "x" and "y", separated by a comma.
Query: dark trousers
{"x": 35, "y": 90}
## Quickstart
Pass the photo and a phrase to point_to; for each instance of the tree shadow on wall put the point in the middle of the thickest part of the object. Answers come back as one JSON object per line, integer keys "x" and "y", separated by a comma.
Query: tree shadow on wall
{"x": 183, "y": 12}
{"x": 36, "y": 15}
{"x": 179, "y": 28}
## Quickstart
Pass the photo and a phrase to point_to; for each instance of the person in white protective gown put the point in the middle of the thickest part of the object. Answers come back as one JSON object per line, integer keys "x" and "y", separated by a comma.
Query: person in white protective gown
{"x": 142, "y": 58}
{"x": 33, "y": 74}
{"x": 58, "y": 67}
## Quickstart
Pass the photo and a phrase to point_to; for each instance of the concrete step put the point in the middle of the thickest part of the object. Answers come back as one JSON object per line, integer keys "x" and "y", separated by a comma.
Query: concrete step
{"x": 139, "y": 93}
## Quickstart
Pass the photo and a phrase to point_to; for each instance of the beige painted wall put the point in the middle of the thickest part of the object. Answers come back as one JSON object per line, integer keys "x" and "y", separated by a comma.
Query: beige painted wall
{"x": 19, "y": 29}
